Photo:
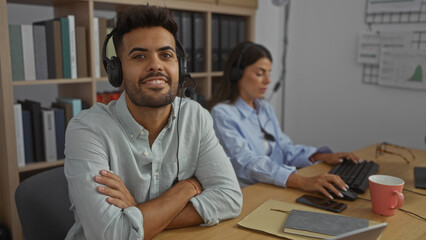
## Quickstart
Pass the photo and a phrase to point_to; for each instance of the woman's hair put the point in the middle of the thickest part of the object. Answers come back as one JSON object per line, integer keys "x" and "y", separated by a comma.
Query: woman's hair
{"x": 246, "y": 53}
{"x": 142, "y": 16}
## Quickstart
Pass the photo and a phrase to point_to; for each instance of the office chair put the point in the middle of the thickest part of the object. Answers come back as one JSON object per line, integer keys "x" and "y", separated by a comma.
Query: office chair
{"x": 43, "y": 205}
{"x": 4, "y": 233}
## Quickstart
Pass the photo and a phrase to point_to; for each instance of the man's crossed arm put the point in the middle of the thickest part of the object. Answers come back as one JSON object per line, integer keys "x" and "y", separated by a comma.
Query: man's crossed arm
{"x": 170, "y": 210}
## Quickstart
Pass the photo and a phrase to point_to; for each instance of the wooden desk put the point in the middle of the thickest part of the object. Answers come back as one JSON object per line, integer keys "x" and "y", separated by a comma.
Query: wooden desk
{"x": 400, "y": 226}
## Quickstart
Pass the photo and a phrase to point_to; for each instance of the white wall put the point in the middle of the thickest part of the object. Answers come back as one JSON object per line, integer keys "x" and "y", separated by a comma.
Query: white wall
{"x": 326, "y": 102}
{"x": 269, "y": 31}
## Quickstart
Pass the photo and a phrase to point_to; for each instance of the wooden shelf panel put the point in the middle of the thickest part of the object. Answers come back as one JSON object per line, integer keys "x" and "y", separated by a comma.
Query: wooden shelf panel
{"x": 216, "y": 74}
{"x": 40, "y": 165}
{"x": 199, "y": 74}
{"x": 51, "y": 81}
{"x": 102, "y": 79}
{"x": 194, "y": 75}
{"x": 41, "y": 2}
{"x": 197, "y": 6}
{"x": 240, "y": 3}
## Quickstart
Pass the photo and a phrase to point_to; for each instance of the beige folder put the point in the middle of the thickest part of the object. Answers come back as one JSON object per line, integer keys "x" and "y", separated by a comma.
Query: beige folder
{"x": 271, "y": 216}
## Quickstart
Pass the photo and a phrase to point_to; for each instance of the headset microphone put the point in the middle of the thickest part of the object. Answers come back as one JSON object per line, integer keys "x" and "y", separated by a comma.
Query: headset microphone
{"x": 190, "y": 92}
{"x": 276, "y": 86}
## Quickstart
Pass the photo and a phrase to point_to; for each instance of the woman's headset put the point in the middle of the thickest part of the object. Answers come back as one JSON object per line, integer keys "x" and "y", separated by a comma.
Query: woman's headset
{"x": 237, "y": 71}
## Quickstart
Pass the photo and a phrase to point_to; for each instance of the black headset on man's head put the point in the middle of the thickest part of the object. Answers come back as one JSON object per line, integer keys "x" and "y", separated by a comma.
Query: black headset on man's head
{"x": 113, "y": 66}
{"x": 115, "y": 77}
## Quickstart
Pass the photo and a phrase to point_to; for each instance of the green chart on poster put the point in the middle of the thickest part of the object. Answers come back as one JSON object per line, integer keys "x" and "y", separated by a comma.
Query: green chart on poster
{"x": 417, "y": 75}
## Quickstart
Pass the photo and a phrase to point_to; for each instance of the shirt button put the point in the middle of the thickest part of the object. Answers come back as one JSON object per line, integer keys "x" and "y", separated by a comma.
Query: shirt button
{"x": 142, "y": 132}
{"x": 131, "y": 135}
{"x": 145, "y": 153}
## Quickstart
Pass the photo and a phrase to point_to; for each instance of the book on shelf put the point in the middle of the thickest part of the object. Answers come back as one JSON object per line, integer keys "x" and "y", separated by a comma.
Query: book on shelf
{"x": 16, "y": 57}
{"x": 60, "y": 132}
{"x": 28, "y": 136}
{"x": 28, "y": 52}
{"x": 96, "y": 46}
{"x": 233, "y": 33}
{"x": 75, "y": 102}
{"x": 225, "y": 48}
{"x": 67, "y": 107}
{"x": 321, "y": 225}
{"x": 178, "y": 18}
{"x": 187, "y": 35}
{"x": 53, "y": 43}
{"x": 81, "y": 45}
{"x": 34, "y": 108}
{"x": 73, "y": 48}
{"x": 198, "y": 48}
{"x": 53, "y": 47}
{"x": 40, "y": 51}
{"x": 215, "y": 48}
{"x": 110, "y": 49}
{"x": 49, "y": 134}
{"x": 57, "y": 41}
{"x": 20, "y": 151}
{"x": 68, "y": 46}
{"x": 111, "y": 22}
{"x": 102, "y": 35}
{"x": 227, "y": 32}
{"x": 241, "y": 29}
{"x": 66, "y": 53}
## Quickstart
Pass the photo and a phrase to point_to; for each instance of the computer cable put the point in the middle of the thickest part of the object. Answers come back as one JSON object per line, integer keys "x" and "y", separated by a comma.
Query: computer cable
{"x": 182, "y": 89}
{"x": 177, "y": 131}
{"x": 281, "y": 80}
{"x": 419, "y": 193}
{"x": 411, "y": 213}
{"x": 402, "y": 210}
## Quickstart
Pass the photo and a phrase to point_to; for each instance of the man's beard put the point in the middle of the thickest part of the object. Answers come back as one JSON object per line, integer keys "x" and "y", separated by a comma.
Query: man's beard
{"x": 140, "y": 98}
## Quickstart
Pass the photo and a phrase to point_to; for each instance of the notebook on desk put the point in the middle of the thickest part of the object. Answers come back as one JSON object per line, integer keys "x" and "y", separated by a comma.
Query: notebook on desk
{"x": 272, "y": 221}
{"x": 321, "y": 225}
{"x": 368, "y": 233}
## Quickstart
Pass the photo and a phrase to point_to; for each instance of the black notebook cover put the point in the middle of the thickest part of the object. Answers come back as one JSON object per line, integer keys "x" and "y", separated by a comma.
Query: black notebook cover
{"x": 420, "y": 177}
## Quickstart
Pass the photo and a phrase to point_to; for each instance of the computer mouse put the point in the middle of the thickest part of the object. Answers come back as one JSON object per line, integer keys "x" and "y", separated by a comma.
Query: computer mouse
{"x": 347, "y": 195}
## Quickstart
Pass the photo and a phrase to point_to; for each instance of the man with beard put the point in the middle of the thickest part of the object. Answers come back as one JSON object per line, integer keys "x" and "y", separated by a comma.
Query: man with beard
{"x": 150, "y": 160}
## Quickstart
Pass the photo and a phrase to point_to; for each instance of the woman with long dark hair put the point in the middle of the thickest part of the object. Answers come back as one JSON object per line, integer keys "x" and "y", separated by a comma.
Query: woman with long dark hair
{"x": 248, "y": 129}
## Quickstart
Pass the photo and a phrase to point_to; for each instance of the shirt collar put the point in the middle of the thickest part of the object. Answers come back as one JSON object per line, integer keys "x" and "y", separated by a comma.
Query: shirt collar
{"x": 246, "y": 110}
{"x": 129, "y": 124}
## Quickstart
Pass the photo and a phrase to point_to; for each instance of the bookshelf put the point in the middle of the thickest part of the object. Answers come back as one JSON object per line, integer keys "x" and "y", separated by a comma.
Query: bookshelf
{"x": 86, "y": 88}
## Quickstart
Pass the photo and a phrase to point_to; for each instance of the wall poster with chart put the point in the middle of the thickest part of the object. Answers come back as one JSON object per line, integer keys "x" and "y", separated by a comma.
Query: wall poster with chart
{"x": 386, "y": 6}
{"x": 403, "y": 68}
{"x": 393, "y": 50}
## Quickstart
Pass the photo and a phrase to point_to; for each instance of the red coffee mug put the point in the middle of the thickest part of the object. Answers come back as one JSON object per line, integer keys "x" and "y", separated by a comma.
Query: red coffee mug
{"x": 386, "y": 194}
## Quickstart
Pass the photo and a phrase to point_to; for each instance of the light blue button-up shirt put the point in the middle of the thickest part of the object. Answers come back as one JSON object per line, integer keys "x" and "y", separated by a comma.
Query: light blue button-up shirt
{"x": 107, "y": 137}
{"x": 238, "y": 127}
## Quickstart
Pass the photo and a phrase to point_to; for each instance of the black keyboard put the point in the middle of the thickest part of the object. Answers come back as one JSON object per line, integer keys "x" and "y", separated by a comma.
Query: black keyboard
{"x": 355, "y": 175}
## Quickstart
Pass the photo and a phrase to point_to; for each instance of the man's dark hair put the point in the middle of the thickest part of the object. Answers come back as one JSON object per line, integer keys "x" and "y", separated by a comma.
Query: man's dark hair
{"x": 142, "y": 16}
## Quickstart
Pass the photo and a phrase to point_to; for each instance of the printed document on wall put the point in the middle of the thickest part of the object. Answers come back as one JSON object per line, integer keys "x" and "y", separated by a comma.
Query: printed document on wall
{"x": 371, "y": 44}
{"x": 392, "y": 6}
{"x": 403, "y": 68}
